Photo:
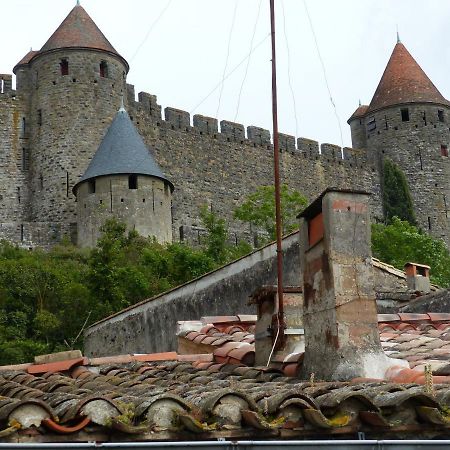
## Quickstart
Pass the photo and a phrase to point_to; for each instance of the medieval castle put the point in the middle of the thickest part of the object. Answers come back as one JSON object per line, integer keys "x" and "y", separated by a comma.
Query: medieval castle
{"x": 70, "y": 158}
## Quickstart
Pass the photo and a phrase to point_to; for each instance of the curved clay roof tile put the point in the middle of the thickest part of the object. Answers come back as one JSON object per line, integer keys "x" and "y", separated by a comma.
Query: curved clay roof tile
{"x": 404, "y": 81}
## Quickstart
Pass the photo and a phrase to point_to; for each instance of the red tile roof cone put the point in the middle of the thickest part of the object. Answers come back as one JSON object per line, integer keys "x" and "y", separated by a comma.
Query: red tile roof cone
{"x": 78, "y": 30}
{"x": 404, "y": 81}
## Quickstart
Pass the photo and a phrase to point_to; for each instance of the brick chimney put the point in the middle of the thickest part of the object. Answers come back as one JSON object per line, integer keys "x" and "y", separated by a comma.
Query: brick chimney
{"x": 340, "y": 317}
{"x": 418, "y": 277}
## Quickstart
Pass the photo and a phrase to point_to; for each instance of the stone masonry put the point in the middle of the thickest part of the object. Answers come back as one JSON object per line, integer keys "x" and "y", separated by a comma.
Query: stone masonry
{"x": 53, "y": 123}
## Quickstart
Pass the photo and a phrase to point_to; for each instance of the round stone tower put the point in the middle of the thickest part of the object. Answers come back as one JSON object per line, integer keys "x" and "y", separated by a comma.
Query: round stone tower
{"x": 408, "y": 121}
{"x": 123, "y": 181}
{"x": 73, "y": 84}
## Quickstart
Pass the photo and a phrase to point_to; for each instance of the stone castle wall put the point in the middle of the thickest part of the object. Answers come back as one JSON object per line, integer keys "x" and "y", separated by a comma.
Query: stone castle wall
{"x": 145, "y": 209}
{"x": 417, "y": 146}
{"x": 68, "y": 118}
{"x": 220, "y": 167}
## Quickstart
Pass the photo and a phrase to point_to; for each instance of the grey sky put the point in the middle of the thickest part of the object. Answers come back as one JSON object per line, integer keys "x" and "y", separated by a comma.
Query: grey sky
{"x": 184, "y": 56}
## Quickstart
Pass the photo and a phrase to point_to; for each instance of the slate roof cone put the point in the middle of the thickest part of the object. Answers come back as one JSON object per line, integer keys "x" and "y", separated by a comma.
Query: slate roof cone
{"x": 404, "y": 81}
{"x": 122, "y": 151}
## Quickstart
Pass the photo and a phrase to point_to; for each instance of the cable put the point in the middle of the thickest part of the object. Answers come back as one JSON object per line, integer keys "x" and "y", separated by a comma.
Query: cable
{"x": 289, "y": 68}
{"x": 152, "y": 26}
{"x": 230, "y": 73}
{"x": 228, "y": 56}
{"x": 248, "y": 61}
{"x": 324, "y": 71}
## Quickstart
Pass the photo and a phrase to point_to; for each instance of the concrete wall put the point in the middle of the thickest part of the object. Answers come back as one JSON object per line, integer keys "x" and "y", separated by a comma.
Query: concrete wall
{"x": 150, "y": 326}
{"x": 146, "y": 209}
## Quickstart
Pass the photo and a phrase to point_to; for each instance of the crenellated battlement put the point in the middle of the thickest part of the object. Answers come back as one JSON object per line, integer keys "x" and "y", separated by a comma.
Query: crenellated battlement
{"x": 6, "y": 84}
{"x": 228, "y": 131}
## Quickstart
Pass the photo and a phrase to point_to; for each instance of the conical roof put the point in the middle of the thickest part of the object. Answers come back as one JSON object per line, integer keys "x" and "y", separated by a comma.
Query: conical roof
{"x": 78, "y": 30}
{"x": 404, "y": 81}
{"x": 122, "y": 151}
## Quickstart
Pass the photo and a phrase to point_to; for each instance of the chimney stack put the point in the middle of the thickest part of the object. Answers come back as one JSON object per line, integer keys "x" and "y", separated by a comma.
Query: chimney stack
{"x": 340, "y": 317}
{"x": 418, "y": 277}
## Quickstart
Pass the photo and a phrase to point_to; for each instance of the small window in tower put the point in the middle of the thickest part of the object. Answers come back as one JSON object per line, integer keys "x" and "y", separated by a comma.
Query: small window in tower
{"x": 444, "y": 150}
{"x": 24, "y": 126}
{"x": 39, "y": 117}
{"x": 24, "y": 159}
{"x": 104, "y": 69}
{"x": 64, "y": 66}
{"x": 441, "y": 116}
{"x": 132, "y": 182}
{"x": 371, "y": 124}
{"x": 91, "y": 186}
{"x": 405, "y": 114}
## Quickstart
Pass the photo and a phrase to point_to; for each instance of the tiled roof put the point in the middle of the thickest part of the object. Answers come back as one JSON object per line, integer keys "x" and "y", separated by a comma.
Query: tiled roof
{"x": 78, "y": 30}
{"x": 428, "y": 335}
{"x": 404, "y": 81}
{"x": 178, "y": 400}
{"x": 122, "y": 151}
{"x": 26, "y": 59}
{"x": 359, "y": 112}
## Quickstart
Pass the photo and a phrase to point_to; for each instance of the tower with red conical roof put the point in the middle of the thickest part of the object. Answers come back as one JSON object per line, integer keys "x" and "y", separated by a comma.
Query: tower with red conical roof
{"x": 408, "y": 121}
{"x": 70, "y": 90}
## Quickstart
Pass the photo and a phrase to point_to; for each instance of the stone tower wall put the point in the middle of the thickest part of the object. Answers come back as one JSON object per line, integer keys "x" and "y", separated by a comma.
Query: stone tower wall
{"x": 146, "y": 209}
{"x": 415, "y": 146}
{"x": 219, "y": 168}
{"x": 13, "y": 155}
{"x": 68, "y": 118}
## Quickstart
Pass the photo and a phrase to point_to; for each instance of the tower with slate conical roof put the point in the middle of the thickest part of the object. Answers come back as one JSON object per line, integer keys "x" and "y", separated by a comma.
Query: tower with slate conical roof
{"x": 408, "y": 121}
{"x": 70, "y": 90}
{"x": 123, "y": 181}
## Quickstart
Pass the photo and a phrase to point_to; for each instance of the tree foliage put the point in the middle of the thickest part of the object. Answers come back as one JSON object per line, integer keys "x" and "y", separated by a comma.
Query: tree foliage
{"x": 46, "y": 298}
{"x": 397, "y": 201}
{"x": 258, "y": 209}
{"x": 400, "y": 242}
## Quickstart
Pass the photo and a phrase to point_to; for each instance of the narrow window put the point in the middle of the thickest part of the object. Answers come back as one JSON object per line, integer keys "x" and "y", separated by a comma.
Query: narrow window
{"x": 67, "y": 184}
{"x": 64, "y": 66}
{"x": 371, "y": 124}
{"x": 41, "y": 181}
{"x": 91, "y": 186}
{"x": 104, "y": 69}
{"x": 132, "y": 182}
{"x": 424, "y": 117}
{"x": 24, "y": 159}
{"x": 24, "y": 126}
{"x": 18, "y": 194}
{"x": 441, "y": 116}
{"x": 2, "y": 86}
{"x": 385, "y": 123}
{"x": 429, "y": 222}
{"x": 21, "y": 232}
{"x": 405, "y": 114}
{"x": 444, "y": 150}
{"x": 39, "y": 117}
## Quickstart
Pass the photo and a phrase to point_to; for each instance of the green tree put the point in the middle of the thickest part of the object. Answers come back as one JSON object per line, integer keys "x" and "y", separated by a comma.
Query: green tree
{"x": 258, "y": 209}
{"x": 397, "y": 201}
{"x": 400, "y": 242}
{"x": 217, "y": 235}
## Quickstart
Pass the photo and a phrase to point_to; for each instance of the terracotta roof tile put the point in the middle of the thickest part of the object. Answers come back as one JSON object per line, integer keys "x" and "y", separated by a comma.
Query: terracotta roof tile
{"x": 26, "y": 59}
{"x": 78, "y": 30}
{"x": 404, "y": 81}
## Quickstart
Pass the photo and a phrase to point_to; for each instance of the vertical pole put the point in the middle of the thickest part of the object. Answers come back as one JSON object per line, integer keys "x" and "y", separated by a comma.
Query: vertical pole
{"x": 276, "y": 161}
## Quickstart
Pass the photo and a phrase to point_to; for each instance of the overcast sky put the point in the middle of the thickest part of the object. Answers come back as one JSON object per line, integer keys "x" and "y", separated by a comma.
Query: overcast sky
{"x": 182, "y": 56}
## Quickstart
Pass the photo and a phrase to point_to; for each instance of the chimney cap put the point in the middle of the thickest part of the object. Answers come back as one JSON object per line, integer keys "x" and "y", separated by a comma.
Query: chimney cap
{"x": 408, "y": 264}
{"x": 316, "y": 206}
{"x": 270, "y": 290}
